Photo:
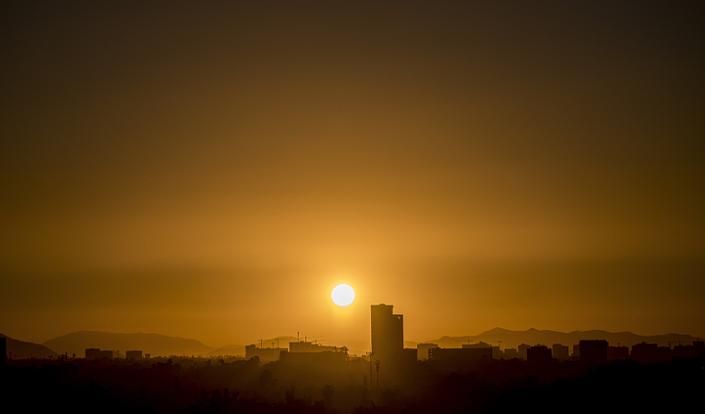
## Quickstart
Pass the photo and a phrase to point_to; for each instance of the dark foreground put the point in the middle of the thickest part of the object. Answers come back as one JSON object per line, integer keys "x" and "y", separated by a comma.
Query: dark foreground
{"x": 217, "y": 386}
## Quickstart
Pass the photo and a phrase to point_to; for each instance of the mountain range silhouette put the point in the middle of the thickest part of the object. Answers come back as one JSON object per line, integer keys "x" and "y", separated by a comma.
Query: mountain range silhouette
{"x": 23, "y": 349}
{"x": 150, "y": 343}
{"x": 163, "y": 345}
{"x": 511, "y": 338}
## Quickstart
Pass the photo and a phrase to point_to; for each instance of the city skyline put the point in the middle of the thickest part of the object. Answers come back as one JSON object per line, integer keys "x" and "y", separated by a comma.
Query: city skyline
{"x": 390, "y": 357}
{"x": 305, "y": 376}
{"x": 387, "y": 330}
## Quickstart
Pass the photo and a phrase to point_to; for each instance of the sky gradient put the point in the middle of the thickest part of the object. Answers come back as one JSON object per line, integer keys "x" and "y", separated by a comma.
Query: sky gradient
{"x": 212, "y": 170}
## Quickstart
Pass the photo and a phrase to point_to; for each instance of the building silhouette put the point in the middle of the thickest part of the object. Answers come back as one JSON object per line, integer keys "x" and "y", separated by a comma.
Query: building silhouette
{"x": 422, "y": 351}
{"x": 644, "y": 352}
{"x": 539, "y": 355}
{"x": 576, "y": 351}
{"x": 560, "y": 352}
{"x": 593, "y": 351}
{"x": 459, "y": 358}
{"x": 302, "y": 354}
{"x": 133, "y": 355}
{"x": 97, "y": 353}
{"x": 651, "y": 353}
{"x": 617, "y": 352}
{"x": 315, "y": 358}
{"x": 409, "y": 356}
{"x": 312, "y": 347}
{"x": 510, "y": 353}
{"x": 477, "y": 345}
{"x": 387, "y": 335}
{"x": 522, "y": 350}
{"x": 695, "y": 350}
{"x": 263, "y": 354}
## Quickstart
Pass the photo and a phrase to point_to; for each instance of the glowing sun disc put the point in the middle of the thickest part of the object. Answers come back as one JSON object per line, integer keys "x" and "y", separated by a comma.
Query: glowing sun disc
{"x": 343, "y": 295}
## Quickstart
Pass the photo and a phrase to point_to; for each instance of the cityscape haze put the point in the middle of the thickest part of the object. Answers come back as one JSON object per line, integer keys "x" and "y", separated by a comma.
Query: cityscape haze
{"x": 352, "y": 206}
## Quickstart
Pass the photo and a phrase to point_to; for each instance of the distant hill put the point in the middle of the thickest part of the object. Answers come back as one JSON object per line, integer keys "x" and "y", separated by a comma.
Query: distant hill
{"x": 155, "y": 344}
{"x": 509, "y": 338}
{"x": 17, "y": 349}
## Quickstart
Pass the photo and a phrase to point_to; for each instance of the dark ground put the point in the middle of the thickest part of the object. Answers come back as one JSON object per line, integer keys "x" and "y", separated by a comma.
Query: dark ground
{"x": 216, "y": 386}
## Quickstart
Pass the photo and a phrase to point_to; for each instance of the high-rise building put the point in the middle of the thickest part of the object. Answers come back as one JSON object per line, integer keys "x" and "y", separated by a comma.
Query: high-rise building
{"x": 593, "y": 351}
{"x": 617, "y": 352}
{"x": 576, "y": 351}
{"x": 523, "y": 348}
{"x": 560, "y": 352}
{"x": 387, "y": 334}
{"x": 510, "y": 353}
{"x": 133, "y": 355}
{"x": 96, "y": 353}
{"x": 645, "y": 353}
{"x": 539, "y": 354}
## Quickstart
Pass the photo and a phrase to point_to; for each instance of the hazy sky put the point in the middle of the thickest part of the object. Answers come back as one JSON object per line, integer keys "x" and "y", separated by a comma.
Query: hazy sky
{"x": 211, "y": 171}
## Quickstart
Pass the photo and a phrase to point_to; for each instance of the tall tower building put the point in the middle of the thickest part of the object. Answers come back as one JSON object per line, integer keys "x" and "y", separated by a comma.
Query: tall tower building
{"x": 387, "y": 334}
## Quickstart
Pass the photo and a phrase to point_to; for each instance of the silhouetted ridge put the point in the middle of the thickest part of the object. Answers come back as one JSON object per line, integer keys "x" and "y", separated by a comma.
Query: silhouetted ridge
{"x": 21, "y": 349}
{"x": 510, "y": 338}
{"x": 155, "y": 344}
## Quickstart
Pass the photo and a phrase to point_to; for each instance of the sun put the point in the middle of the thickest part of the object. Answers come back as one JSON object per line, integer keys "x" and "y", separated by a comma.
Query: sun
{"x": 343, "y": 295}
